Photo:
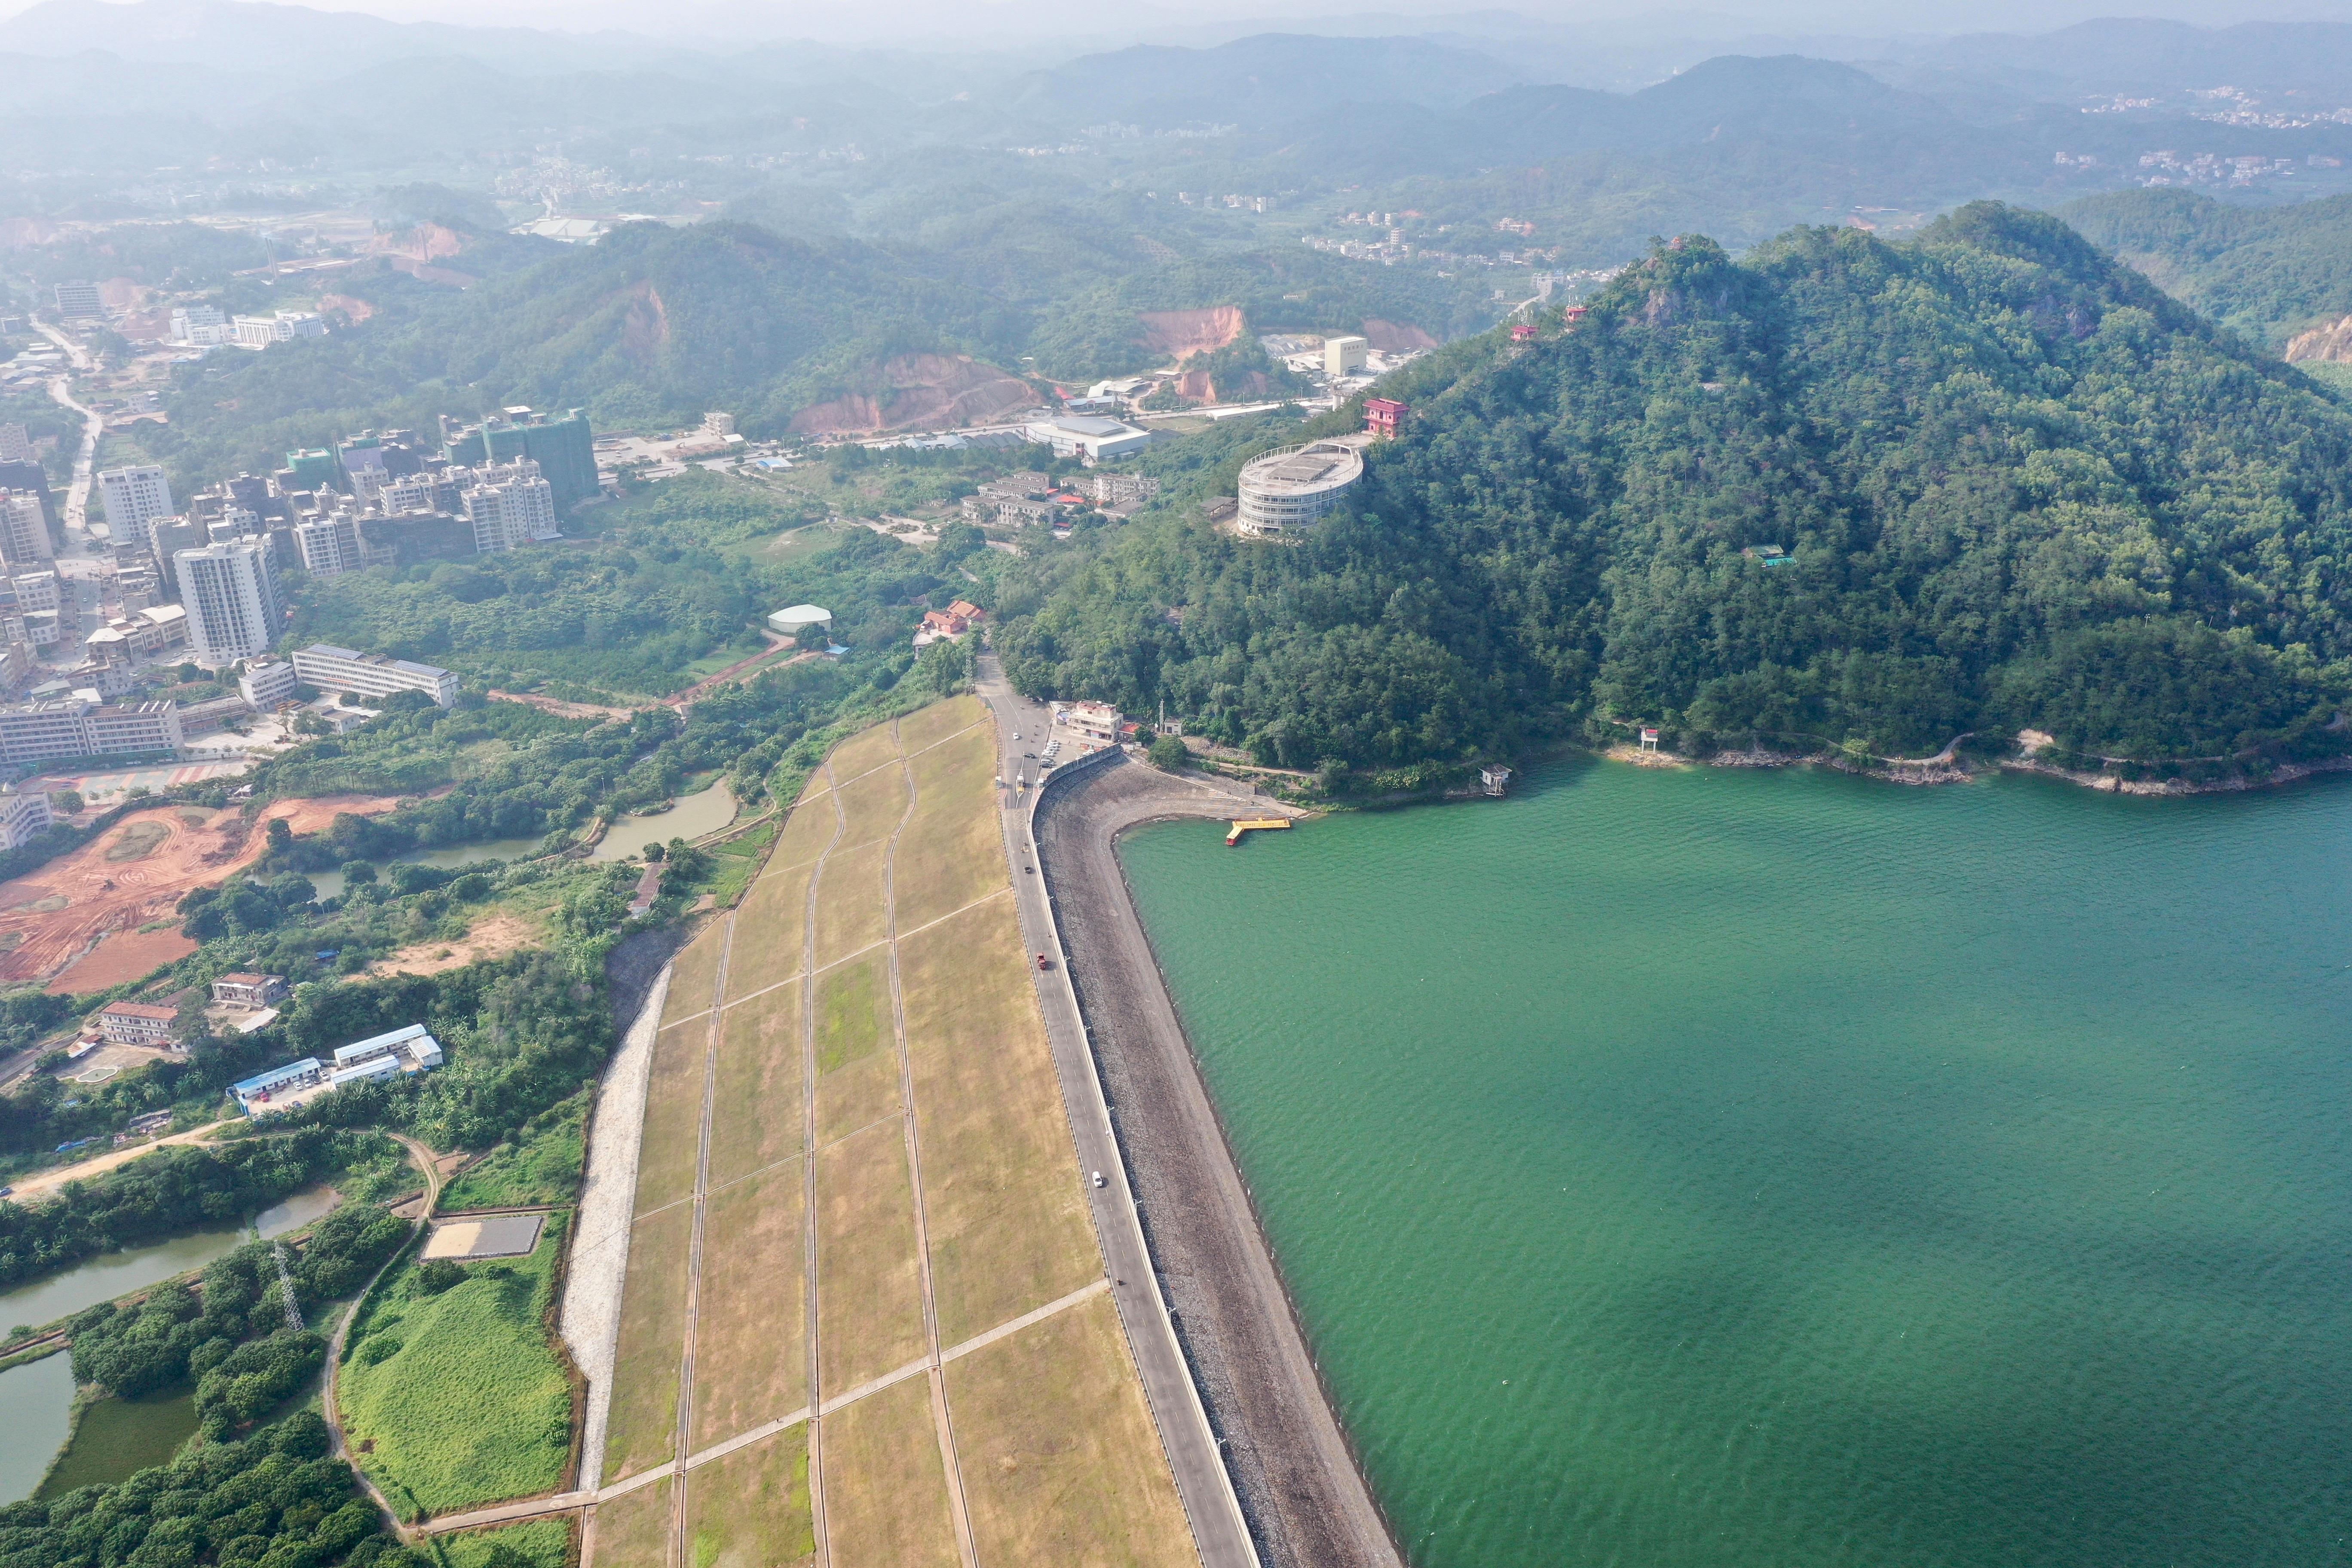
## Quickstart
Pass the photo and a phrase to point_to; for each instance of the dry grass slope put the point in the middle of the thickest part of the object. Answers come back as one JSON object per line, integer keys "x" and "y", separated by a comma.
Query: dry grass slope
{"x": 750, "y": 1510}
{"x": 1006, "y": 1214}
{"x": 755, "y": 1105}
{"x": 634, "y": 1530}
{"x": 849, "y": 912}
{"x": 885, "y": 1491}
{"x": 929, "y": 726}
{"x": 672, "y": 1142}
{"x": 872, "y": 806}
{"x": 951, "y": 851}
{"x": 693, "y": 974}
{"x": 869, "y": 1304}
{"x": 769, "y": 928}
{"x": 1060, "y": 1462}
{"x": 750, "y": 1359}
{"x": 643, "y": 1426}
{"x": 806, "y": 833}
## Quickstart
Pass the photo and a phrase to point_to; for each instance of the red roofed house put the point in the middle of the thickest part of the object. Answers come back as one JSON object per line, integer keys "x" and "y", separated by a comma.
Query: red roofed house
{"x": 1523, "y": 333}
{"x": 1382, "y": 416}
{"x": 137, "y": 1024}
{"x": 947, "y": 623}
{"x": 968, "y": 610}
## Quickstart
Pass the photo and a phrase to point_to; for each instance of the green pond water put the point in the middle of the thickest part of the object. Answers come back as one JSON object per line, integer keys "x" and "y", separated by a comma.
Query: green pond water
{"x": 115, "y": 1437}
{"x": 1683, "y": 1170}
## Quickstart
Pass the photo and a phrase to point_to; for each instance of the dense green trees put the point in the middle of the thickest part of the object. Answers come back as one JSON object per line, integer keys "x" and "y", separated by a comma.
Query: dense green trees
{"x": 275, "y": 1499}
{"x": 2017, "y": 485}
{"x": 2267, "y": 271}
{"x": 178, "y": 1188}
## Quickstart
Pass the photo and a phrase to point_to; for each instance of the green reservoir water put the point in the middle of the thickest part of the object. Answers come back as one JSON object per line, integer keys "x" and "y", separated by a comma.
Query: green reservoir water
{"x": 1690, "y": 1170}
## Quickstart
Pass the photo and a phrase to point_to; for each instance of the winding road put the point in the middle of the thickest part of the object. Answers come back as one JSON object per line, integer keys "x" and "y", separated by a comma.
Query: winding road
{"x": 423, "y": 1159}
{"x": 77, "y": 512}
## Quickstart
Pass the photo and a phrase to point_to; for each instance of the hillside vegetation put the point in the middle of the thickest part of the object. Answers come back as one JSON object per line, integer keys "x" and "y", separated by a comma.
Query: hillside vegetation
{"x": 2268, "y": 272}
{"x": 2020, "y": 487}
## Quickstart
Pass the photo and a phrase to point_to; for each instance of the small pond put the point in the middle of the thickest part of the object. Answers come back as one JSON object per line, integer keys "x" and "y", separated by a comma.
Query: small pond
{"x": 691, "y": 819}
{"x": 37, "y": 1399}
{"x": 331, "y": 883}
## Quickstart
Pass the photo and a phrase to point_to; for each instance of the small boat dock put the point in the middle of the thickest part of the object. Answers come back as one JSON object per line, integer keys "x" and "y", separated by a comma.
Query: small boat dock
{"x": 1249, "y": 823}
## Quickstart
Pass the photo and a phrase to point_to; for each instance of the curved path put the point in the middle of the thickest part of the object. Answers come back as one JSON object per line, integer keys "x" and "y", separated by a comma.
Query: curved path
{"x": 1284, "y": 1454}
{"x": 77, "y": 512}
{"x": 423, "y": 1158}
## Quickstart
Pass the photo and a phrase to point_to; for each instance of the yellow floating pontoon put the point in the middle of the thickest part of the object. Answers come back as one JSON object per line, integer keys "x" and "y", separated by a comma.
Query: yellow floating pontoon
{"x": 1245, "y": 824}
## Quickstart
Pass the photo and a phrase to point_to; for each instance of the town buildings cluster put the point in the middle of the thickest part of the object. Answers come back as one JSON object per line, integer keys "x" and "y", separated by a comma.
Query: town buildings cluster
{"x": 201, "y": 580}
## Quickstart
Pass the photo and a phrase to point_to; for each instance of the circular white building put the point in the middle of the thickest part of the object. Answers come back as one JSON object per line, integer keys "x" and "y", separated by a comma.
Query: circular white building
{"x": 1291, "y": 486}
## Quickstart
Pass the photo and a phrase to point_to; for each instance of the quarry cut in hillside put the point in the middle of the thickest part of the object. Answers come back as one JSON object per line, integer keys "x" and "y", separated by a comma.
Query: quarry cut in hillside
{"x": 916, "y": 390}
{"x": 1179, "y": 334}
{"x": 2331, "y": 344}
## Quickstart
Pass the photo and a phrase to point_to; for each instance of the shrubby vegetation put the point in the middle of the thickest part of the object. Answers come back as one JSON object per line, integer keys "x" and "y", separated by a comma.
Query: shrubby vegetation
{"x": 2020, "y": 487}
{"x": 275, "y": 1499}
{"x": 451, "y": 1376}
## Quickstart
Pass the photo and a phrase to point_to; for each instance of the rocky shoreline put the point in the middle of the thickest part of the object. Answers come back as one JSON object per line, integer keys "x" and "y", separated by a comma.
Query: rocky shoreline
{"x": 1945, "y": 770}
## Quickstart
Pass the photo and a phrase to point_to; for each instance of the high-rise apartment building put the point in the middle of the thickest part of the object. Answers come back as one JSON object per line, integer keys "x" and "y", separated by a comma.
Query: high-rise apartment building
{"x": 231, "y": 594}
{"x": 134, "y": 498}
{"x": 509, "y": 504}
{"x": 560, "y": 446}
{"x": 79, "y": 299}
{"x": 23, "y": 530}
{"x": 329, "y": 545}
{"x": 15, "y": 446}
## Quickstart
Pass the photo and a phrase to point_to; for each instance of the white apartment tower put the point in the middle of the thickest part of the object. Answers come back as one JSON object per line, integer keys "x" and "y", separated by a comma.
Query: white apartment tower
{"x": 135, "y": 498}
{"x": 23, "y": 531}
{"x": 15, "y": 446}
{"x": 330, "y": 546}
{"x": 230, "y": 591}
{"x": 509, "y": 504}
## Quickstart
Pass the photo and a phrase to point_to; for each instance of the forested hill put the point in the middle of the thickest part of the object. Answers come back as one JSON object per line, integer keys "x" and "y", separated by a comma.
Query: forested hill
{"x": 2270, "y": 272}
{"x": 2020, "y": 487}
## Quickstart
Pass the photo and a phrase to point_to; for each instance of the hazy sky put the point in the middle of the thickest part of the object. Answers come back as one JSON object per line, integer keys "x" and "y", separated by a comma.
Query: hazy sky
{"x": 915, "y": 23}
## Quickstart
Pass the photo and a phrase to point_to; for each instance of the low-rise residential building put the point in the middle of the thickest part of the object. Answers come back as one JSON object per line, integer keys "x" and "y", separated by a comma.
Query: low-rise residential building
{"x": 1111, "y": 486}
{"x": 265, "y": 683}
{"x": 409, "y": 1049}
{"x": 945, "y": 623}
{"x": 139, "y": 1024}
{"x": 23, "y": 817}
{"x": 332, "y": 668}
{"x": 1092, "y": 725}
{"x": 77, "y": 726}
{"x": 260, "y": 331}
{"x": 244, "y": 988}
{"x": 150, "y": 633}
{"x": 264, "y": 1091}
{"x": 1012, "y": 511}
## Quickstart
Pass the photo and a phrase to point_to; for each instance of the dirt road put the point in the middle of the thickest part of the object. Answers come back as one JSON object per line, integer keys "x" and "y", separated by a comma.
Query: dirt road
{"x": 49, "y": 1181}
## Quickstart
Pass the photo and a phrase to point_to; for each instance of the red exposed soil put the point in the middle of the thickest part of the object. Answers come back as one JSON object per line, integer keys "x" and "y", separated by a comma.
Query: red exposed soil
{"x": 354, "y": 308}
{"x": 125, "y": 955}
{"x": 918, "y": 391}
{"x": 71, "y": 918}
{"x": 1394, "y": 337}
{"x": 1189, "y": 332}
{"x": 1179, "y": 334}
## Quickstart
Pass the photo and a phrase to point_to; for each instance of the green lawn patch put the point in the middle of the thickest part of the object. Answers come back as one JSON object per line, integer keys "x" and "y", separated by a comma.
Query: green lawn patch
{"x": 542, "y": 1166}
{"x": 734, "y": 863}
{"x": 459, "y": 1391}
{"x": 540, "y": 1543}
